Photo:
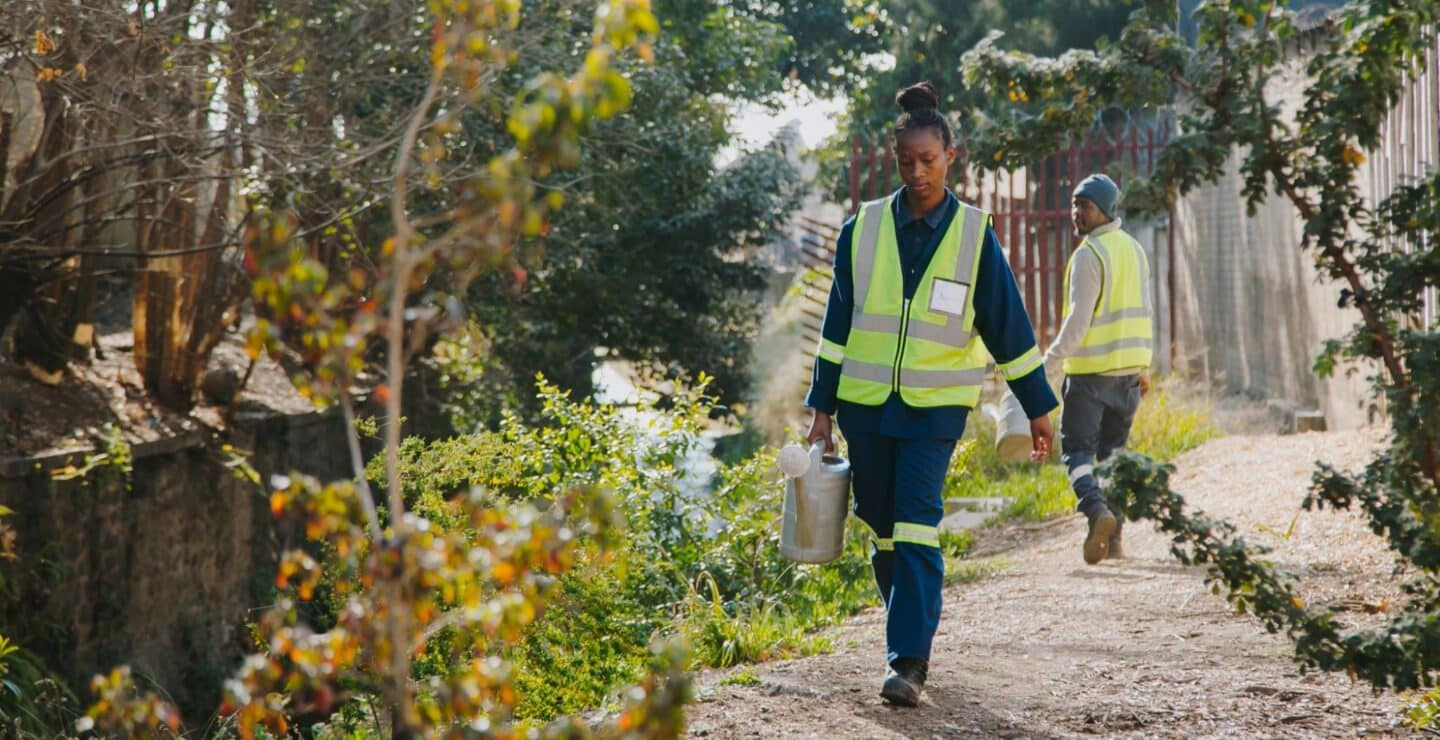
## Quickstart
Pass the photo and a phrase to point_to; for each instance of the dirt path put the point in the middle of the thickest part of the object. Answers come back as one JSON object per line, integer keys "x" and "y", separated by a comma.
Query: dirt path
{"x": 1135, "y": 647}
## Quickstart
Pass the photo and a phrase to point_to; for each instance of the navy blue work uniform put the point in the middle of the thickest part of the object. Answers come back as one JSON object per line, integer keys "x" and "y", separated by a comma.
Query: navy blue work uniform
{"x": 899, "y": 454}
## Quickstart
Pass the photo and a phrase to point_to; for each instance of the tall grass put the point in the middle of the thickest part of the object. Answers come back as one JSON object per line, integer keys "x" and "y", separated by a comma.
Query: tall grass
{"x": 1172, "y": 418}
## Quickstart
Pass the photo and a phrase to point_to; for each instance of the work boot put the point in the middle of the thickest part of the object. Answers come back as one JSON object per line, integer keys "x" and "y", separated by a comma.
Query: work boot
{"x": 1097, "y": 539}
{"x": 904, "y": 681}
{"x": 1117, "y": 551}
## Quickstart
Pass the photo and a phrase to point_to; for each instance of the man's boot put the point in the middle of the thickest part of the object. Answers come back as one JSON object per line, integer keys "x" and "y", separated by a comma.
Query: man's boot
{"x": 1097, "y": 539}
{"x": 904, "y": 681}
{"x": 1117, "y": 550}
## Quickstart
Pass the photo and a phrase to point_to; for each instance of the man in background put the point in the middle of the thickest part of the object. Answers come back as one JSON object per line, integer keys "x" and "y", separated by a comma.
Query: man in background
{"x": 1104, "y": 347}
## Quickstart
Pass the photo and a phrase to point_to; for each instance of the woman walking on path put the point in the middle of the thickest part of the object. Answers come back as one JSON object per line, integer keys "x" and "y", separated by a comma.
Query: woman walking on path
{"x": 921, "y": 292}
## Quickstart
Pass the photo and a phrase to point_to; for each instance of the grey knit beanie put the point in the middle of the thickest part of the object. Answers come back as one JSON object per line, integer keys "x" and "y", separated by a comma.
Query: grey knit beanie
{"x": 1101, "y": 191}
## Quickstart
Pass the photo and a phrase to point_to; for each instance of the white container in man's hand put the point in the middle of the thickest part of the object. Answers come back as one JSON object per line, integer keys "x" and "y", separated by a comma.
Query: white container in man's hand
{"x": 1012, "y": 430}
{"x": 817, "y": 499}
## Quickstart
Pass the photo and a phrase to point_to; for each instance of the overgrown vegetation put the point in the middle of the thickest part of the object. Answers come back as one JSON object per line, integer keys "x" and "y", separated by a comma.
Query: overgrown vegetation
{"x": 1384, "y": 255}
{"x": 700, "y": 558}
{"x": 153, "y": 131}
{"x": 1171, "y": 420}
{"x": 926, "y": 37}
{"x": 34, "y": 700}
{"x": 427, "y": 610}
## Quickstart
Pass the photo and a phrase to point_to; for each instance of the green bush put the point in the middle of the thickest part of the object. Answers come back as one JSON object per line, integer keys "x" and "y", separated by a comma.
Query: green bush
{"x": 34, "y": 701}
{"x": 701, "y": 558}
{"x": 1170, "y": 421}
{"x": 588, "y": 642}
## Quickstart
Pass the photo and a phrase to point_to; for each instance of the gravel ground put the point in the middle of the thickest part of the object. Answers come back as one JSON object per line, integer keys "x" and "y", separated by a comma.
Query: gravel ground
{"x": 1137, "y": 647}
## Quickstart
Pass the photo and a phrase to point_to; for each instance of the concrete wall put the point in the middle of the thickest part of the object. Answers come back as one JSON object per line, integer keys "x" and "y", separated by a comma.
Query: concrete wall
{"x": 1252, "y": 313}
{"x": 164, "y": 575}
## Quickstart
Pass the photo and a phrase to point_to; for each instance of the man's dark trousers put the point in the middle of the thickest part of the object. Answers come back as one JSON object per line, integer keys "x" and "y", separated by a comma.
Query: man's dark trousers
{"x": 1094, "y": 422}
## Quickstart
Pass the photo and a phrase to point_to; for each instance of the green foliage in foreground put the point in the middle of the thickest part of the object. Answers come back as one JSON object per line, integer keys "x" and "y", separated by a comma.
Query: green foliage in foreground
{"x": 700, "y": 558}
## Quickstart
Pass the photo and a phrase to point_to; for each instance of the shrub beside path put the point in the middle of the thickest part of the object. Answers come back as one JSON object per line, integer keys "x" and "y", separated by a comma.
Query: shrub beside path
{"x": 1050, "y": 647}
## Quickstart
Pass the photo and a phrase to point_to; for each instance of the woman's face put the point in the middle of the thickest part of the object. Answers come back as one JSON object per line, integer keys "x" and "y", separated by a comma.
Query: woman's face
{"x": 924, "y": 162}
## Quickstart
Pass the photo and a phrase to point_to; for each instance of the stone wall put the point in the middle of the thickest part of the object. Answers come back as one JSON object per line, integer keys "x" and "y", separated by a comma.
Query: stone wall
{"x": 161, "y": 569}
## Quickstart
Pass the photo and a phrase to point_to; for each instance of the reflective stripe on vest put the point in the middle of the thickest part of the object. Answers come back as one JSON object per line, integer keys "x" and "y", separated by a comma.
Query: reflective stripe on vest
{"x": 1022, "y": 365}
{"x": 930, "y": 356}
{"x": 1120, "y": 335}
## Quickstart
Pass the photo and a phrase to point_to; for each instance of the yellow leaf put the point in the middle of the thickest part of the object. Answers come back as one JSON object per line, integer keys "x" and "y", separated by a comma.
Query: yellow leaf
{"x": 80, "y": 70}
{"x": 43, "y": 44}
{"x": 439, "y": 56}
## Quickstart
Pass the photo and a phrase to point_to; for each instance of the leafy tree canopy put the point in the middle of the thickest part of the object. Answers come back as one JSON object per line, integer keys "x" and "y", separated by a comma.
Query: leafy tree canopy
{"x": 656, "y": 254}
{"x": 657, "y": 258}
{"x": 928, "y": 37}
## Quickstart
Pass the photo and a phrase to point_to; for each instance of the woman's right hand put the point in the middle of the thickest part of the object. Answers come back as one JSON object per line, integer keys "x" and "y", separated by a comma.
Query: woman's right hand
{"x": 820, "y": 430}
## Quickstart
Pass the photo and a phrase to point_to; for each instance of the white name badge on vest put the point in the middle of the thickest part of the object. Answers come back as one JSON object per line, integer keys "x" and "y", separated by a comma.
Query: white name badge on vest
{"x": 948, "y": 296}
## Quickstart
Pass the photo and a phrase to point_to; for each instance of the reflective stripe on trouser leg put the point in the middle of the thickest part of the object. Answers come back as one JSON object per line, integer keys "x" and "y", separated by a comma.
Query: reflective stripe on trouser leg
{"x": 1088, "y": 493}
{"x": 1080, "y": 438}
{"x": 918, "y": 572}
{"x": 872, "y": 467}
{"x": 917, "y": 534}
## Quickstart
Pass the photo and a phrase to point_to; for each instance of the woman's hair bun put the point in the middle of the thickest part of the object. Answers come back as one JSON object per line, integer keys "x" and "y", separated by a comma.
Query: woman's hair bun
{"x": 917, "y": 97}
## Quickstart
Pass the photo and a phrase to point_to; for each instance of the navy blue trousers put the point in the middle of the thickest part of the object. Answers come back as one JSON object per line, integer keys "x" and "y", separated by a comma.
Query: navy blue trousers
{"x": 897, "y": 485}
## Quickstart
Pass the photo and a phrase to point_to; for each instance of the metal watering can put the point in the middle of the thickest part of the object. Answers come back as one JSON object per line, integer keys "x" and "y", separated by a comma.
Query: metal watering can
{"x": 817, "y": 498}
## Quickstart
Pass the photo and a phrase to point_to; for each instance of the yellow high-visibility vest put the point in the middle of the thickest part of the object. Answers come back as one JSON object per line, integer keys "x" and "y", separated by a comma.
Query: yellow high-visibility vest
{"x": 1120, "y": 334}
{"x": 924, "y": 348}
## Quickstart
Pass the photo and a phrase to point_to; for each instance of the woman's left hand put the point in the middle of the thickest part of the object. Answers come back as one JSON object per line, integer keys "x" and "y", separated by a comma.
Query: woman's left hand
{"x": 1041, "y": 435}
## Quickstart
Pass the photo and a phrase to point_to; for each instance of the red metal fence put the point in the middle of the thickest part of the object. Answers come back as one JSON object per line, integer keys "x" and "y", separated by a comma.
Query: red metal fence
{"x": 1031, "y": 206}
